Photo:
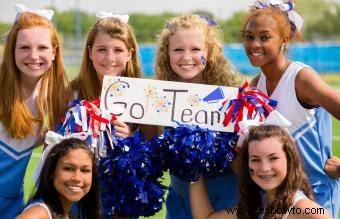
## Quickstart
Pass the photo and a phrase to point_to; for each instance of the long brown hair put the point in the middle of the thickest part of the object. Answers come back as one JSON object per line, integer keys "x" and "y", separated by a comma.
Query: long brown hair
{"x": 296, "y": 179}
{"x": 218, "y": 70}
{"x": 52, "y": 98}
{"x": 86, "y": 83}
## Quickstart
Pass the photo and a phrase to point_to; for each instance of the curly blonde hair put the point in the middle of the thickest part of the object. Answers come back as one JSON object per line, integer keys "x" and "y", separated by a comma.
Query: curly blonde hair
{"x": 218, "y": 70}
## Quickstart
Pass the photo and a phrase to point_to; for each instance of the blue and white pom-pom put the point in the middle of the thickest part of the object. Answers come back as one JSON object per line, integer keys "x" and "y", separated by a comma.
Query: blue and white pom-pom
{"x": 130, "y": 180}
{"x": 192, "y": 151}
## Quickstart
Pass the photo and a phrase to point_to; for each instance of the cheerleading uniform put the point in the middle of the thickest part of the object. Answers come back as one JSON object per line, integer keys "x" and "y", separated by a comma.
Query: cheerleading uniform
{"x": 42, "y": 204}
{"x": 299, "y": 195}
{"x": 311, "y": 130}
{"x": 223, "y": 193}
{"x": 15, "y": 155}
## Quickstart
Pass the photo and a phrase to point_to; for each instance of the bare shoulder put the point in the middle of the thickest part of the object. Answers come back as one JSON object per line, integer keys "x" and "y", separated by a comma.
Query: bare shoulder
{"x": 308, "y": 209}
{"x": 34, "y": 212}
{"x": 254, "y": 81}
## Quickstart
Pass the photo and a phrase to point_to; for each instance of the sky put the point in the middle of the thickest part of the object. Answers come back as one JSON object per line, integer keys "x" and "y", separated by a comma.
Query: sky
{"x": 220, "y": 8}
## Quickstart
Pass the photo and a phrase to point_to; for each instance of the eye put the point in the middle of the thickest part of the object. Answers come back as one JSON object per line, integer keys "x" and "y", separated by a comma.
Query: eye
{"x": 86, "y": 170}
{"x": 101, "y": 49}
{"x": 23, "y": 47}
{"x": 248, "y": 37}
{"x": 254, "y": 160}
{"x": 274, "y": 158}
{"x": 118, "y": 50}
{"x": 68, "y": 168}
{"x": 265, "y": 38}
{"x": 43, "y": 47}
{"x": 196, "y": 49}
{"x": 178, "y": 50}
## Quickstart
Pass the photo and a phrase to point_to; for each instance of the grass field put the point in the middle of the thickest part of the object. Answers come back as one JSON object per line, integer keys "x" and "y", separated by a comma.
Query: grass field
{"x": 332, "y": 79}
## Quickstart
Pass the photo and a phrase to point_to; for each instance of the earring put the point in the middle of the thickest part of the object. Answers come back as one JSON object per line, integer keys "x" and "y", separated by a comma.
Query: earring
{"x": 282, "y": 47}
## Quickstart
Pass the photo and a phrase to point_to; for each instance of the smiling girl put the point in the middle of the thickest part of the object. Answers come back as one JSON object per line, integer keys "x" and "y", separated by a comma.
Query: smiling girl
{"x": 69, "y": 175}
{"x": 111, "y": 49}
{"x": 272, "y": 183}
{"x": 190, "y": 50}
{"x": 33, "y": 96}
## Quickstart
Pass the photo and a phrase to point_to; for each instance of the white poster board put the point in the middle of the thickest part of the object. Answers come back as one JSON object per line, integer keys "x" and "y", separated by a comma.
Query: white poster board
{"x": 166, "y": 103}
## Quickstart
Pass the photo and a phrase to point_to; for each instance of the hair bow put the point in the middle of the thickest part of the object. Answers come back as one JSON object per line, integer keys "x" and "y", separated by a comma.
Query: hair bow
{"x": 123, "y": 18}
{"x": 46, "y": 13}
{"x": 274, "y": 118}
{"x": 287, "y": 7}
{"x": 210, "y": 21}
{"x": 51, "y": 139}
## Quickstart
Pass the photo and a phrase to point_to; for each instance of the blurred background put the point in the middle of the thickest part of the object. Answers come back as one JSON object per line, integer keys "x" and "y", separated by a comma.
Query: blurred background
{"x": 73, "y": 18}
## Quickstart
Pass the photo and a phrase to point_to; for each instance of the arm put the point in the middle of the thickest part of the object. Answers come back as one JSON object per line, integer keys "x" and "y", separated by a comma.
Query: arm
{"x": 199, "y": 201}
{"x": 332, "y": 167}
{"x": 200, "y": 204}
{"x": 34, "y": 212}
{"x": 308, "y": 207}
{"x": 311, "y": 89}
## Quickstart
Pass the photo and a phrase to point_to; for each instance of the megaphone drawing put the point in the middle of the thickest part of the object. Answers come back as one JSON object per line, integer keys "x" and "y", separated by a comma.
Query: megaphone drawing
{"x": 214, "y": 96}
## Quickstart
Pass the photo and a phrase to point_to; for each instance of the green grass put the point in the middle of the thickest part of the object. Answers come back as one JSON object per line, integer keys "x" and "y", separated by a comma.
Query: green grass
{"x": 332, "y": 79}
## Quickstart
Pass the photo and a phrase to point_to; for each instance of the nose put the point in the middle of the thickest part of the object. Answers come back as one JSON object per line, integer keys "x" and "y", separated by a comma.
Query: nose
{"x": 34, "y": 54}
{"x": 265, "y": 166}
{"x": 255, "y": 43}
{"x": 110, "y": 56}
{"x": 187, "y": 55}
{"x": 76, "y": 176}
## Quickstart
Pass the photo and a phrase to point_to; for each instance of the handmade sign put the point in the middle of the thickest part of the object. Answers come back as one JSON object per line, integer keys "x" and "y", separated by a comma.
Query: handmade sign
{"x": 166, "y": 103}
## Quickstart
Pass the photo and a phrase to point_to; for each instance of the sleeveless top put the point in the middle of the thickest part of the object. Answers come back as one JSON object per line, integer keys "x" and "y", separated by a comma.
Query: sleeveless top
{"x": 299, "y": 195}
{"x": 15, "y": 155}
{"x": 42, "y": 204}
{"x": 311, "y": 128}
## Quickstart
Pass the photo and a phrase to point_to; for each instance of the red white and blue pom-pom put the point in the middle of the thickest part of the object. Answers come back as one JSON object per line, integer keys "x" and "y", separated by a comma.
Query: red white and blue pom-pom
{"x": 130, "y": 180}
{"x": 250, "y": 102}
{"x": 86, "y": 118}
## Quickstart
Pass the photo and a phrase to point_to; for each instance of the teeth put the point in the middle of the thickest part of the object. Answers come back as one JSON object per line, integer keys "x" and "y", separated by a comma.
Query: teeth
{"x": 267, "y": 177}
{"x": 75, "y": 188}
{"x": 186, "y": 66}
{"x": 34, "y": 66}
{"x": 256, "y": 53}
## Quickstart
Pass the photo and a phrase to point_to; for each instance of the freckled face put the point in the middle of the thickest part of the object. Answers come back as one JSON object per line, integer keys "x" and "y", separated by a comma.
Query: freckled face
{"x": 268, "y": 163}
{"x": 109, "y": 55}
{"x": 186, "y": 49}
{"x": 34, "y": 53}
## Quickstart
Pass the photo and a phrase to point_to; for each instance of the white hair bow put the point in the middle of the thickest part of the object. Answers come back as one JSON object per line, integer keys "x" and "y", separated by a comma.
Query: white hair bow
{"x": 288, "y": 7}
{"x": 46, "y": 13}
{"x": 274, "y": 118}
{"x": 51, "y": 139}
{"x": 123, "y": 18}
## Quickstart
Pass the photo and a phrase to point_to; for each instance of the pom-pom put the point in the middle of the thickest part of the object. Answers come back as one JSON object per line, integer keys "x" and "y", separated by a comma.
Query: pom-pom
{"x": 250, "y": 102}
{"x": 192, "y": 151}
{"x": 130, "y": 180}
{"x": 86, "y": 117}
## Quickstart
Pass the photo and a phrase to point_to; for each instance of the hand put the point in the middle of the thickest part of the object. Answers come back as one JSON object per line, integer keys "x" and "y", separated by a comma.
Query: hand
{"x": 122, "y": 129}
{"x": 332, "y": 167}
